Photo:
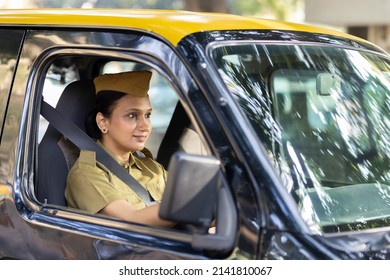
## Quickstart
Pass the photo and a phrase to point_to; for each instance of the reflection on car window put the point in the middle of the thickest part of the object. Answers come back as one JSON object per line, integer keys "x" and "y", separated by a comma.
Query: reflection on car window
{"x": 8, "y": 58}
{"x": 323, "y": 114}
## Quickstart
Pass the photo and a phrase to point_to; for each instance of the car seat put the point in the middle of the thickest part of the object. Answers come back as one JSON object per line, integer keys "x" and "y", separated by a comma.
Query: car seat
{"x": 179, "y": 136}
{"x": 56, "y": 154}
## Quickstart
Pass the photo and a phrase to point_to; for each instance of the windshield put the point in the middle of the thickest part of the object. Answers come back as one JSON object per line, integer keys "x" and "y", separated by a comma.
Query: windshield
{"x": 323, "y": 114}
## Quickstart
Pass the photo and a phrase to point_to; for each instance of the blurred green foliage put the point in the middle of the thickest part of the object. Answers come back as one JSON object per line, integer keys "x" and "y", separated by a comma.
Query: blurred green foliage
{"x": 279, "y": 9}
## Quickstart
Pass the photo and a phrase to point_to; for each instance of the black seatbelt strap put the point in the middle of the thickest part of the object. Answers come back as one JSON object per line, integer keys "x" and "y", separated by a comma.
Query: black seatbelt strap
{"x": 84, "y": 142}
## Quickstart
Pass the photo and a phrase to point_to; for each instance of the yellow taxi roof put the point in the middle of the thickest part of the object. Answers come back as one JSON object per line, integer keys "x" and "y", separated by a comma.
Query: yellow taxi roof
{"x": 172, "y": 25}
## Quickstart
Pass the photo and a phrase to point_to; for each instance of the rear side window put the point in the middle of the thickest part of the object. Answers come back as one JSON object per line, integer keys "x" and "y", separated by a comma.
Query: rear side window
{"x": 10, "y": 42}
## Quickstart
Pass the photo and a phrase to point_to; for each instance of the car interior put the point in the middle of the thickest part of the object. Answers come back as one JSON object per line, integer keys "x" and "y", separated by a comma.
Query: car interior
{"x": 69, "y": 88}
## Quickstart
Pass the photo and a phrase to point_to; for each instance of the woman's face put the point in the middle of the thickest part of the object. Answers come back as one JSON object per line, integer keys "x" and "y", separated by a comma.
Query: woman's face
{"x": 129, "y": 126}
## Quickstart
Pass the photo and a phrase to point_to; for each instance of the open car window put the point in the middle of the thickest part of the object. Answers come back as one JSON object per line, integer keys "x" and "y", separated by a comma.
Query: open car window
{"x": 73, "y": 97}
{"x": 162, "y": 96}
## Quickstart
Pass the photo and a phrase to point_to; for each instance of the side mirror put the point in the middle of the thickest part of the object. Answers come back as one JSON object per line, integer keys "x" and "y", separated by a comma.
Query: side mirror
{"x": 191, "y": 189}
{"x": 195, "y": 194}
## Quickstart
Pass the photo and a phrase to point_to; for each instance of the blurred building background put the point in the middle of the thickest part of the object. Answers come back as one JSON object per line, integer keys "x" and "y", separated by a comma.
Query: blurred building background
{"x": 364, "y": 18}
{"x": 368, "y": 19}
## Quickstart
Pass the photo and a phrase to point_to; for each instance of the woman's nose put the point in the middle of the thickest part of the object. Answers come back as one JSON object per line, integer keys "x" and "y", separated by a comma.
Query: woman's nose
{"x": 144, "y": 124}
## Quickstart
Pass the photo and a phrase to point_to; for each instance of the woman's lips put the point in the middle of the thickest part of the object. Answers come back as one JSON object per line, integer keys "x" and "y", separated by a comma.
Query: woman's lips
{"x": 140, "y": 138}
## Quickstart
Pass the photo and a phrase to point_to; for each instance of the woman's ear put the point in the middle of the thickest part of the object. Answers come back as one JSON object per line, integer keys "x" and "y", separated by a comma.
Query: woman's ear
{"x": 101, "y": 122}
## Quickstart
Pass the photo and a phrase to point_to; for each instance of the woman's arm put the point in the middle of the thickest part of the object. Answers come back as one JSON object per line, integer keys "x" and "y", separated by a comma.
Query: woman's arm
{"x": 122, "y": 209}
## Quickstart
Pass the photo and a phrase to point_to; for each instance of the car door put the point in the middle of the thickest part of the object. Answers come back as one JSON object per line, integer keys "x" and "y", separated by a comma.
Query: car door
{"x": 52, "y": 59}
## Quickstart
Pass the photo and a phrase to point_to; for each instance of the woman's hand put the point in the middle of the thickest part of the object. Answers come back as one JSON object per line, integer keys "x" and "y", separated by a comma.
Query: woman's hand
{"x": 122, "y": 209}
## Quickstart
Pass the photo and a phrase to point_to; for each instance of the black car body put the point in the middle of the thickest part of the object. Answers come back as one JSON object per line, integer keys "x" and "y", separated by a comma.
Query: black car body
{"x": 292, "y": 126}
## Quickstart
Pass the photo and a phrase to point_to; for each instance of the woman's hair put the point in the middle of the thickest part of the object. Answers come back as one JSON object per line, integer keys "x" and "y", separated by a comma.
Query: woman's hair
{"x": 104, "y": 103}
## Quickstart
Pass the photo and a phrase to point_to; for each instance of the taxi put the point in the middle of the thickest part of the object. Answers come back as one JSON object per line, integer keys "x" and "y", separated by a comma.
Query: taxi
{"x": 274, "y": 132}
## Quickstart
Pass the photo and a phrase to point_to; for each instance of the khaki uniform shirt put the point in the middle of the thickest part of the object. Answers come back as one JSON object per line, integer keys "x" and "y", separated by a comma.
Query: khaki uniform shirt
{"x": 91, "y": 186}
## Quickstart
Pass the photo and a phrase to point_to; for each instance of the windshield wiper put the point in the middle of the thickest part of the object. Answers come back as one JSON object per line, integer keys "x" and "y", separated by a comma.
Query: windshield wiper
{"x": 333, "y": 184}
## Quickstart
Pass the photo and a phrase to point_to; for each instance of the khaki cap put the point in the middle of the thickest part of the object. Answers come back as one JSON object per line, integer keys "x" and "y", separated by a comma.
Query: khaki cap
{"x": 135, "y": 83}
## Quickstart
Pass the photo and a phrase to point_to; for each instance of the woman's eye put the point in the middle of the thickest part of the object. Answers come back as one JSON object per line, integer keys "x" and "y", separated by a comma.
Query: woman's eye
{"x": 132, "y": 116}
{"x": 148, "y": 115}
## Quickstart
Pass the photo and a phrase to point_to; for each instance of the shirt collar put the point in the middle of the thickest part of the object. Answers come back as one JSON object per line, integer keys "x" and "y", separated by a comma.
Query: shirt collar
{"x": 132, "y": 159}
